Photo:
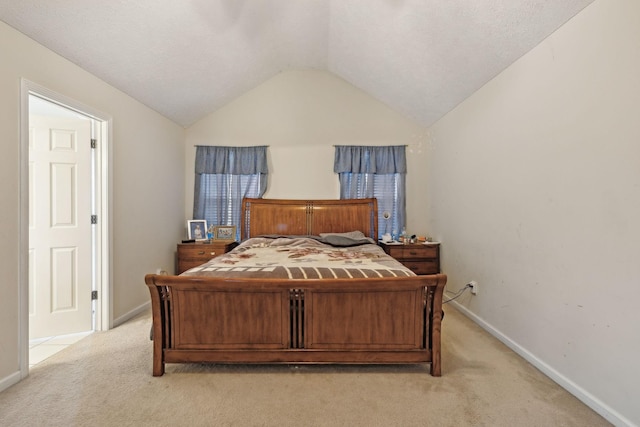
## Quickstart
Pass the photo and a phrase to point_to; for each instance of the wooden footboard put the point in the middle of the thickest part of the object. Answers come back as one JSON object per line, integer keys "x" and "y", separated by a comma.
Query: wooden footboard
{"x": 204, "y": 319}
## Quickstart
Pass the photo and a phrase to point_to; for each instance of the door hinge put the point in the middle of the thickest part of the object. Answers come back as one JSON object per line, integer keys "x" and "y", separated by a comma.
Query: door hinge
{"x": 94, "y": 219}
{"x": 94, "y": 295}
{"x": 94, "y": 142}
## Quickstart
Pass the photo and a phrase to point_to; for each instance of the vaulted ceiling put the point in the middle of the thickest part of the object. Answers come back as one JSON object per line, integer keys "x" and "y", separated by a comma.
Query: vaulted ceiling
{"x": 185, "y": 59}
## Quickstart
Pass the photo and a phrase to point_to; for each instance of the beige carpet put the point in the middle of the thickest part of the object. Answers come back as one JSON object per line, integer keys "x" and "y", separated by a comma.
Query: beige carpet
{"x": 105, "y": 380}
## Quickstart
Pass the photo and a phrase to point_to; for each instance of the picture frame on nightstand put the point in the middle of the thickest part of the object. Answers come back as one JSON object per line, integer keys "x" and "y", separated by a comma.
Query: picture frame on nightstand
{"x": 197, "y": 229}
{"x": 224, "y": 233}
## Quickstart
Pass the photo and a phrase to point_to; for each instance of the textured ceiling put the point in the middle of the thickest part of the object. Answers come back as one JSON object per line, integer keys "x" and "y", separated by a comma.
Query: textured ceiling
{"x": 185, "y": 59}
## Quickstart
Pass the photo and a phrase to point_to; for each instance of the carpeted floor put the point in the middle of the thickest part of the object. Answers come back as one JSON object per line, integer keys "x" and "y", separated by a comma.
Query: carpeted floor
{"x": 105, "y": 380}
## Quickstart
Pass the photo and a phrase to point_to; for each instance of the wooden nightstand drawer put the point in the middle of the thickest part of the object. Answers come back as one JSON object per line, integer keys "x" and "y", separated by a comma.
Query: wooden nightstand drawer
{"x": 418, "y": 257}
{"x": 193, "y": 254}
{"x": 393, "y": 250}
{"x": 199, "y": 251}
{"x": 429, "y": 266}
{"x": 419, "y": 251}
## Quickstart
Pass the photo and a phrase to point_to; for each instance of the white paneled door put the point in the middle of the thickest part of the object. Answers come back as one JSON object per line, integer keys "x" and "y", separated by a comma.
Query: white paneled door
{"x": 60, "y": 230}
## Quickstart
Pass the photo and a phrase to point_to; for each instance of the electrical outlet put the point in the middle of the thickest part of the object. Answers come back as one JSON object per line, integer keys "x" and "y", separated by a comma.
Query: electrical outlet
{"x": 474, "y": 287}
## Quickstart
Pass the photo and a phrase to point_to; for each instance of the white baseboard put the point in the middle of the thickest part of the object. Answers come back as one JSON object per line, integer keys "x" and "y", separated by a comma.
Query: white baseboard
{"x": 133, "y": 313}
{"x": 587, "y": 398}
{"x": 12, "y": 379}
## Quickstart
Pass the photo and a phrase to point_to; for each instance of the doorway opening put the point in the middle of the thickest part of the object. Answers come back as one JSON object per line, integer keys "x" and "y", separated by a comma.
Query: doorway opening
{"x": 64, "y": 233}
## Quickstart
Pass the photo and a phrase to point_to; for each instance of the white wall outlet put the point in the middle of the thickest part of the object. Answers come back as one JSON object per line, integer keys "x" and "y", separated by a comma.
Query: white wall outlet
{"x": 474, "y": 287}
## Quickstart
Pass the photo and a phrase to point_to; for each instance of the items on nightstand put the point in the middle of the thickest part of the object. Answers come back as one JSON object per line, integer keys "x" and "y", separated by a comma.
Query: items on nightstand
{"x": 404, "y": 237}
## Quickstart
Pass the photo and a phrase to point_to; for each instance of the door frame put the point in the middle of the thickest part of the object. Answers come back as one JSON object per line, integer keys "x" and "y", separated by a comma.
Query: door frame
{"x": 103, "y": 195}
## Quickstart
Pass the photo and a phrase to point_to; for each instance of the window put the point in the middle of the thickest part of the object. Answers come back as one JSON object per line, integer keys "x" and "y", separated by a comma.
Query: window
{"x": 379, "y": 172}
{"x": 223, "y": 177}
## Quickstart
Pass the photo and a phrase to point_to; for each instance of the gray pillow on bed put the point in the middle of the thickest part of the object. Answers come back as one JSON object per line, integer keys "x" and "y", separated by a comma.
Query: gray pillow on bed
{"x": 351, "y": 238}
{"x": 343, "y": 241}
{"x": 354, "y": 235}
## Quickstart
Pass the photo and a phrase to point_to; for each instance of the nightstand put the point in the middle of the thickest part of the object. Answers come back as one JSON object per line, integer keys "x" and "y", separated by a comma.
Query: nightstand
{"x": 418, "y": 257}
{"x": 193, "y": 254}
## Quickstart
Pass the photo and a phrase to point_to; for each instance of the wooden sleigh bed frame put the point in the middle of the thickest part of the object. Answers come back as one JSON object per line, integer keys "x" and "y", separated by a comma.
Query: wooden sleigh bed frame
{"x": 298, "y": 321}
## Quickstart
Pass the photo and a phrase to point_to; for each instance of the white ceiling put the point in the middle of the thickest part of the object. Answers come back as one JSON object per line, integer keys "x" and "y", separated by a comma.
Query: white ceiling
{"x": 185, "y": 59}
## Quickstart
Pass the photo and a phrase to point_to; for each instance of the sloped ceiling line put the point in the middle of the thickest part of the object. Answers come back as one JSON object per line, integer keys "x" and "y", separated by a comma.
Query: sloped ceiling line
{"x": 420, "y": 57}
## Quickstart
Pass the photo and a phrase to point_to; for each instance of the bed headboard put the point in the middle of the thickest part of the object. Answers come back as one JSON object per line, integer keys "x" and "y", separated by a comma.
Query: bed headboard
{"x": 300, "y": 217}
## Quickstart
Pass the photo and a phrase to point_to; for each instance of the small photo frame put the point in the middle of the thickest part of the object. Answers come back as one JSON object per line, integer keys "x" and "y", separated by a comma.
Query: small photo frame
{"x": 197, "y": 229}
{"x": 224, "y": 232}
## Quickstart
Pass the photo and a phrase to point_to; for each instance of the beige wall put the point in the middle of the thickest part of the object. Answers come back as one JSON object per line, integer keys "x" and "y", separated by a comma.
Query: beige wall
{"x": 300, "y": 115}
{"x": 147, "y": 179}
{"x": 535, "y": 192}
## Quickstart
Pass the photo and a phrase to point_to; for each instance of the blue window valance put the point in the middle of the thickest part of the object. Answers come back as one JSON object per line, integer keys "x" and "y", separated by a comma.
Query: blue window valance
{"x": 370, "y": 159}
{"x": 231, "y": 160}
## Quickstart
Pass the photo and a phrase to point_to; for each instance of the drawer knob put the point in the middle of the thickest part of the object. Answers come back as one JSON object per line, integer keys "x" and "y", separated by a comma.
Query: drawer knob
{"x": 203, "y": 252}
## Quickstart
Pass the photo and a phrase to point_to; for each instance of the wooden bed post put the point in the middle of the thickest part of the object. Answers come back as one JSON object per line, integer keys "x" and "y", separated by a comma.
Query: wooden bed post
{"x": 436, "y": 328}
{"x": 159, "y": 318}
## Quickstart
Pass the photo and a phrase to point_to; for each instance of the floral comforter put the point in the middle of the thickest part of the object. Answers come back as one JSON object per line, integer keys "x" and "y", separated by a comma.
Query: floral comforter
{"x": 301, "y": 258}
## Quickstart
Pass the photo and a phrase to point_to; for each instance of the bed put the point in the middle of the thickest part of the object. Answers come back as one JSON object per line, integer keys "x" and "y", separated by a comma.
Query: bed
{"x": 231, "y": 311}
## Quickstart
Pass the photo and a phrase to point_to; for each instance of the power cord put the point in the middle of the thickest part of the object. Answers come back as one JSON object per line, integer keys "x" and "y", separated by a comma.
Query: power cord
{"x": 458, "y": 293}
